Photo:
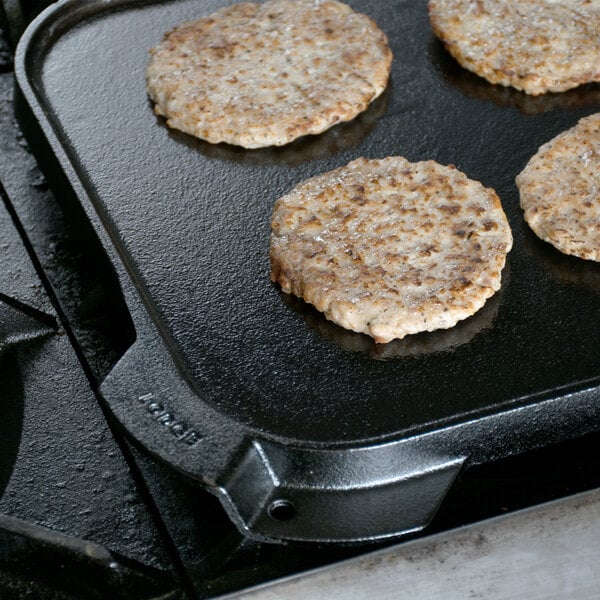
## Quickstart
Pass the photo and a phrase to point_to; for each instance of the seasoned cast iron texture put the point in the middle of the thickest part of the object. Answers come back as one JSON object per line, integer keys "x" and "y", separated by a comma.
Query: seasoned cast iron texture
{"x": 36, "y": 562}
{"x": 304, "y": 430}
{"x": 60, "y": 468}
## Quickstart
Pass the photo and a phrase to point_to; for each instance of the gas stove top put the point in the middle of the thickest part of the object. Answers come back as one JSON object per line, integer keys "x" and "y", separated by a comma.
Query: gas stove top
{"x": 84, "y": 511}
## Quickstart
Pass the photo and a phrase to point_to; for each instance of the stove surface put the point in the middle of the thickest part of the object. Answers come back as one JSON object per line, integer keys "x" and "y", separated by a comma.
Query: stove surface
{"x": 76, "y": 495}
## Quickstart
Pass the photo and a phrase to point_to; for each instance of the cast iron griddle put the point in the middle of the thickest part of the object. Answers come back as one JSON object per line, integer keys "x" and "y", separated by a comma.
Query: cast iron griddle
{"x": 307, "y": 431}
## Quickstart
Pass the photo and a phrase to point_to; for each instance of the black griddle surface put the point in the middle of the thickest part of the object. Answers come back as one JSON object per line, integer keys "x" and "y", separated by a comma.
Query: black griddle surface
{"x": 192, "y": 222}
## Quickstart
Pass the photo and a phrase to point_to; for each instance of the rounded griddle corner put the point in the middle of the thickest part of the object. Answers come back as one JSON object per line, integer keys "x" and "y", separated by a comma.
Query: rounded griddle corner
{"x": 276, "y": 489}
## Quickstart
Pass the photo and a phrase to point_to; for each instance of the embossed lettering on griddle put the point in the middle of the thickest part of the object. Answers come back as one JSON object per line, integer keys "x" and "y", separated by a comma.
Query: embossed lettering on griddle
{"x": 167, "y": 418}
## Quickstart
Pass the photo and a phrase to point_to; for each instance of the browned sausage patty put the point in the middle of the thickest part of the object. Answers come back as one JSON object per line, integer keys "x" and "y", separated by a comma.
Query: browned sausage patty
{"x": 560, "y": 190}
{"x": 536, "y": 46}
{"x": 259, "y": 75}
{"x": 388, "y": 247}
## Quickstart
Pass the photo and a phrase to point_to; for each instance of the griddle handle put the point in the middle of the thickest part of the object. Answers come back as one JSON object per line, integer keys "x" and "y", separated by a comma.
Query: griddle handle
{"x": 346, "y": 495}
{"x": 272, "y": 491}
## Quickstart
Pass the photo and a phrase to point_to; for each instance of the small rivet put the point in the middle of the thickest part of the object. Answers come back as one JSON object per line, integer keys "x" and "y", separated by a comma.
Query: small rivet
{"x": 281, "y": 510}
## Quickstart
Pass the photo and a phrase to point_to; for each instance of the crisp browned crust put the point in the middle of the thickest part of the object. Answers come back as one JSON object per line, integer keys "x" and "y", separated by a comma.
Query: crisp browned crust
{"x": 259, "y": 75}
{"x": 560, "y": 190}
{"x": 390, "y": 248}
{"x": 536, "y": 46}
